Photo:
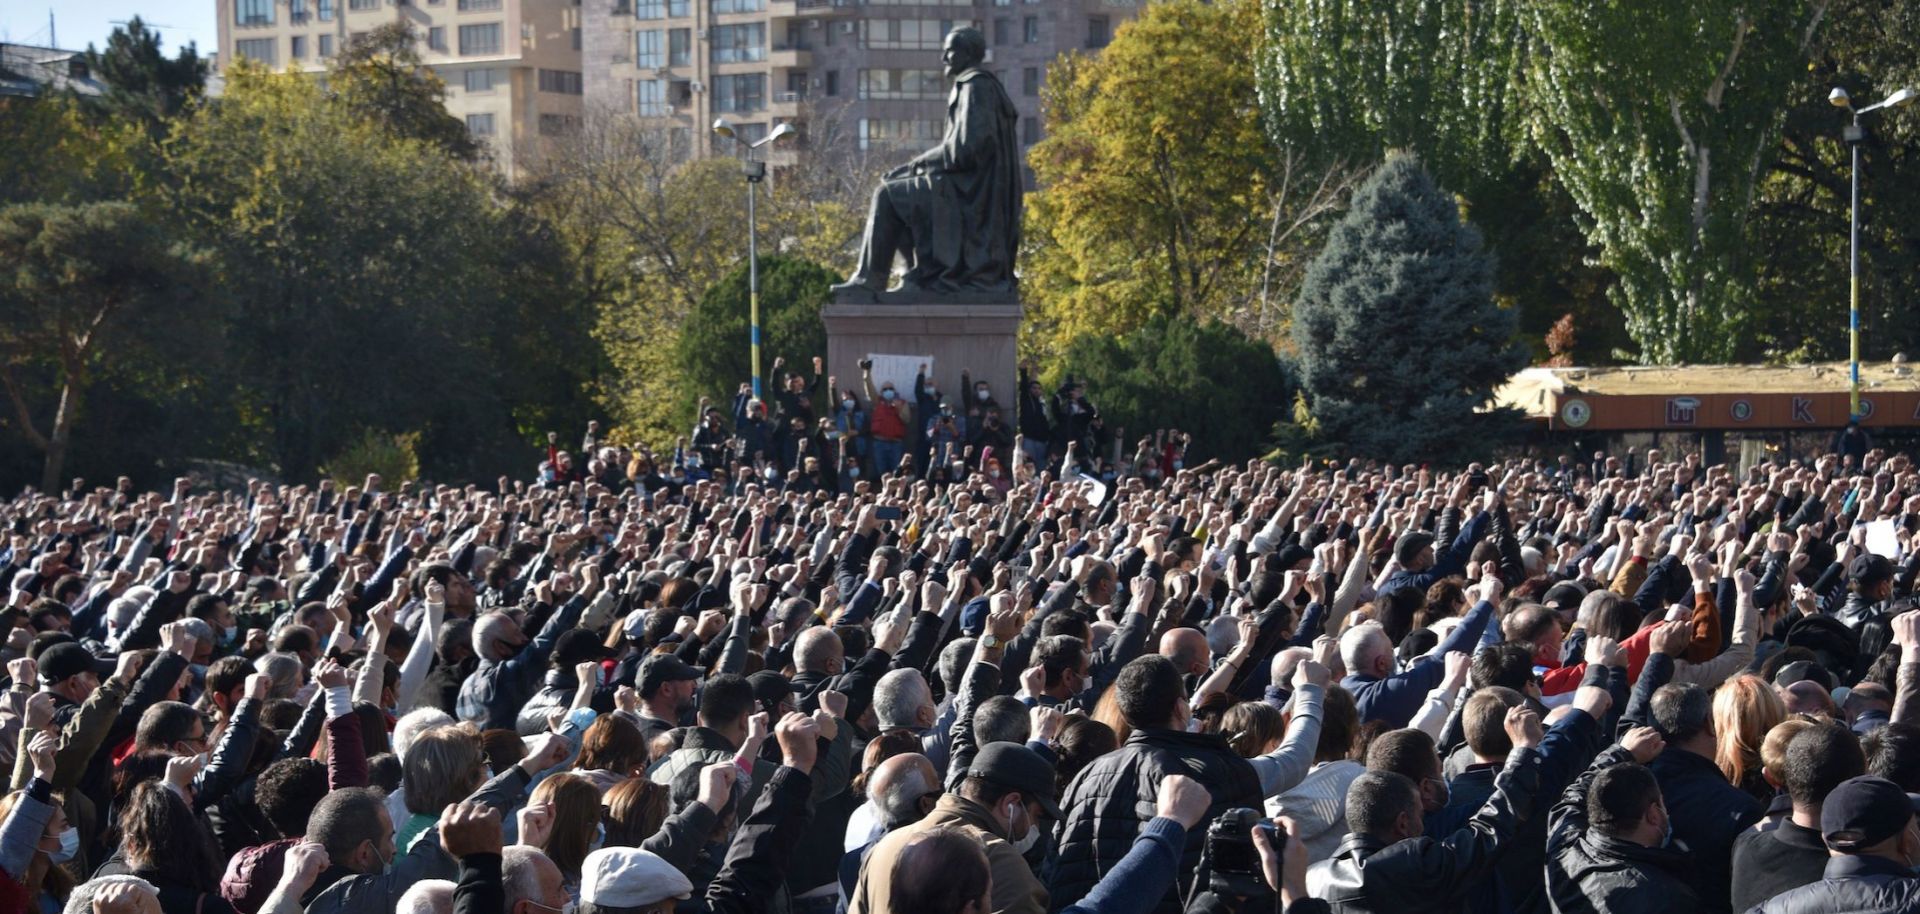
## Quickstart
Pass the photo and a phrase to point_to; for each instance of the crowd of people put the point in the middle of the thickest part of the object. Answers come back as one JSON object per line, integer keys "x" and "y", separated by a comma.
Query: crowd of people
{"x": 788, "y": 441}
{"x": 1620, "y": 684}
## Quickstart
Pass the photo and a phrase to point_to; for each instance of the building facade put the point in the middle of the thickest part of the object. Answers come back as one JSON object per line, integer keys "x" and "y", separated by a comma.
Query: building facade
{"x": 873, "y": 67}
{"x": 512, "y": 67}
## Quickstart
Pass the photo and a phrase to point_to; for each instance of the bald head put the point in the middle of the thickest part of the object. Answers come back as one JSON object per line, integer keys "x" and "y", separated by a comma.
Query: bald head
{"x": 1187, "y": 648}
{"x": 1807, "y": 697}
{"x": 818, "y": 650}
{"x": 1285, "y": 662}
{"x": 902, "y": 699}
{"x": 428, "y": 896}
{"x": 899, "y": 784}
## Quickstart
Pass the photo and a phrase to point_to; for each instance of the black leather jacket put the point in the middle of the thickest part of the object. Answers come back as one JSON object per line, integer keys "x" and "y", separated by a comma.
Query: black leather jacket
{"x": 1429, "y": 873}
{"x": 1590, "y": 872}
{"x": 1864, "y": 885}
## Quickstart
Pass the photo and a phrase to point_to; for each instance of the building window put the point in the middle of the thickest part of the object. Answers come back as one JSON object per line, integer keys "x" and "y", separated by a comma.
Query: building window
{"x": 680, "y": 48}
{"x": 325, "y": 9}
{"x": 326, "y": 46}
{"x": 1002, "y": 31}
{"x": 1030, "y": 130}
{"x": 880, "y": 132}
{"x": 559, "y": 124}
{"x": 480, "y": 124}
{"x": 742, "y": 93}
{"x": 833, "y": 82}
{"x": 719, "y": 7}
{"x": 472, "y": 6}
{"x": 646, "y": 49}
{"x": 899, "y": 84}
{"x": 651, "y": 97}
{"x": 363, "y": 4}
{"x": 679, "y": 9}
{"x": 1033, "y": 29}
{"x": 437, "y": 38}
{"x": 576, "y": 38}
{"x": 1099, "y": 31}
{"x": 354, "y": 38}
{"x": 1030, "y": 81}
{"x": 905, "y": 34}
{"x": 480, "y": 80}
{"x": 297, "y": 47}
{"x": 480, "y": 39}
{"x": 253, "y": 12}
{"x": 297, "y": 11}
{"x": 260, "y": 49}
{"x": 560, "y": 82}
{"x": 740, "y": 43}
{"x": 649, "y": 9}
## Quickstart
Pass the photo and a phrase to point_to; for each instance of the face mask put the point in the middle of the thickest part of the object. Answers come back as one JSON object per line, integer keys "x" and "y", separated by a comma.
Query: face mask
{"x": 599, "y": 838}
{"x": 1028, "y": 838}
{"x": 1179, "y": 464}
{"x": 230, "y": 634}
{"x": 888, "y": 394}
{"x": 980, "y": 393}
{"x": 1666, "y": 832}
{"x": 993, "y": 474}
{"x": 846, "y": 404}
{"x": 69, "y": 846}
{"x": 386, "y": 866}
{"x": 853, "y": 472}
{"x": 933, "y": 393}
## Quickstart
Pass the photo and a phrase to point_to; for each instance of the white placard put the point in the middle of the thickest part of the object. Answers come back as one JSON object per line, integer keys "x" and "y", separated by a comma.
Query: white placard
{"x": 1881, "y": 539}
{"x": 900, "y": 369}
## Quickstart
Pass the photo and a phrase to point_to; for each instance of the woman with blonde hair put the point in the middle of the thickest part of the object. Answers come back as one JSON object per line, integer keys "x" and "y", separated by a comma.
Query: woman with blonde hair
{"x": 568, "y": 805}
{"x": 1745, "y": 709}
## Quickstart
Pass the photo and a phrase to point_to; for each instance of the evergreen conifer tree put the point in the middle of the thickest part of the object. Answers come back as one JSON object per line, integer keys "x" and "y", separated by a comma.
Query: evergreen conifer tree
{"x": 1398, "y": 338}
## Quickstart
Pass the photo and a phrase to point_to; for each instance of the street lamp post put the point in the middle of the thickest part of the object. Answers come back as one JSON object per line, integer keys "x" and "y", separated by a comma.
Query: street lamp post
{"x": 755, "y": 171}
{"x": 1856, "y": 134}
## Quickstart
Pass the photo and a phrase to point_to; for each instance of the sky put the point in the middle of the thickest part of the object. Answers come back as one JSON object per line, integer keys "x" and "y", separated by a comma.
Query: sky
{"x": 78, "y": 22}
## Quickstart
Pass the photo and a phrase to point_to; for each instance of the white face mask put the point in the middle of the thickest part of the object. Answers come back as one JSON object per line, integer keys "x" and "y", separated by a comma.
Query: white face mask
{"x": 980, "y": 393}
{"x": 1030, "y": 837}
{"x": 69, "y": 846}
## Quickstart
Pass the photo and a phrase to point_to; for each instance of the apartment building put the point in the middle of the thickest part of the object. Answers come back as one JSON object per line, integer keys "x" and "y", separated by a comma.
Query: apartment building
{"x": 873, "y": 66}
{"x": 512, "y": 67}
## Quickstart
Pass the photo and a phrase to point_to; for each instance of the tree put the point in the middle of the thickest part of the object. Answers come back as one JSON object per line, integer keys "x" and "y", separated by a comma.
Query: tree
{"x": 1159, "y": 194}
{"x": 713, "y": 352}
{"x": 380, "y": 283}
{"x": 1662, "y": 119}
{"x": 83, "y": 285}
{"x": 143, "y": 84}
{"x": 379, "y": 77}
{"x": 1398, "y": 338}
{"x": 1205, "y": 377}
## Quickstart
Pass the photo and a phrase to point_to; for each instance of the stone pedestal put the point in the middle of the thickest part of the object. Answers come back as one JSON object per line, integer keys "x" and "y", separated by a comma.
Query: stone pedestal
{"x": 976, "y": 337}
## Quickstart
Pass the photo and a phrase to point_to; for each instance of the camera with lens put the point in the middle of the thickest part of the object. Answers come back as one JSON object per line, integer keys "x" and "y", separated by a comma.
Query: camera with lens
{"x": 1232, "y": 860}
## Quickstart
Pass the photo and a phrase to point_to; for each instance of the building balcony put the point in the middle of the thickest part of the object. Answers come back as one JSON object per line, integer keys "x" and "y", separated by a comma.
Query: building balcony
{"x": 790, "y": 57}
{"x": 786, "y": 105}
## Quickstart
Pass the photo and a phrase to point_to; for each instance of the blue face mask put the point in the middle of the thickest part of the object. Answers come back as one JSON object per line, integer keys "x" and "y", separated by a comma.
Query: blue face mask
{"x": 69, "y": 846}
{"x": 1666, "y": 832}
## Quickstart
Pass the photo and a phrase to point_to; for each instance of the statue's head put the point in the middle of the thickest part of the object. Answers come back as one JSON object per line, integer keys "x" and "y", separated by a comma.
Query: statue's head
{"x": 966, "y": 48}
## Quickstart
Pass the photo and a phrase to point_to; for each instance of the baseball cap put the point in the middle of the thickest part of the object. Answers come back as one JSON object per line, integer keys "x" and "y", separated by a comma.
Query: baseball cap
{"x": 770, "y": 688}
{"x": 1408, "y": 547}
{"x": 628, "y": 877}
{"x": 1803, "y": 671}
{"x": 63, "y": 660}
{"x": 1016, "y": 766}
{"x": 1869, "y": 569}
{"x": 661, "y": 669}
{"x": 1564, "y": 596}
{"x": 1863, "y": 812}
{"x": 576, "y": 645}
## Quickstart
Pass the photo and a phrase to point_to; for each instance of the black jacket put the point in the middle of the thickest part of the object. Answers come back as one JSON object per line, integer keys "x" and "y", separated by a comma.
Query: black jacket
{"x": 1708, "y": 814}
{"x": 1589, "y": 872}
{"x": 1858, "y": 885}
{"x": 1429, "y": 873}
{"x": 1111, "y": 799}
{"x": 1780, "y": 859}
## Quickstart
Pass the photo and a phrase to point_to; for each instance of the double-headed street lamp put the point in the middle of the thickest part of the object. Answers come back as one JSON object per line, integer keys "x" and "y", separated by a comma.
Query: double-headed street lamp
{"x": 1855, "y": 134}
{"x": 756, "y": 171}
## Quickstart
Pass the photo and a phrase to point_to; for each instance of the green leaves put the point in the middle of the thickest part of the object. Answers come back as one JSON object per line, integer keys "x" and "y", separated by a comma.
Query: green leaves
{"x": 1397, "y": 338}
